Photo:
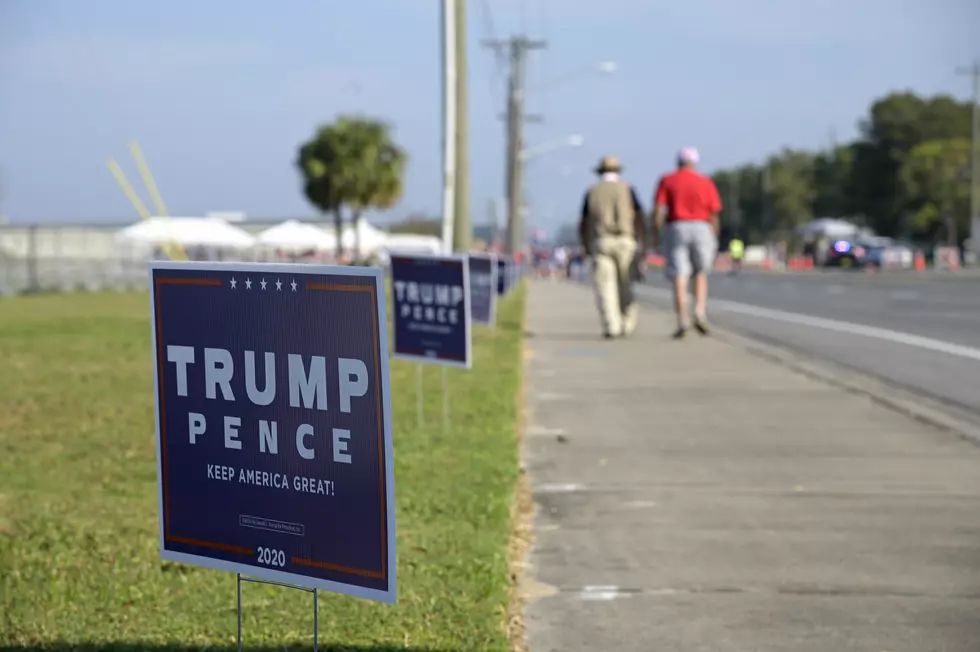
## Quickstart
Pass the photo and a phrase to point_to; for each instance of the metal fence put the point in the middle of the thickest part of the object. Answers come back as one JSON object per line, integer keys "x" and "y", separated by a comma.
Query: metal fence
{"x": 38, "y": 258}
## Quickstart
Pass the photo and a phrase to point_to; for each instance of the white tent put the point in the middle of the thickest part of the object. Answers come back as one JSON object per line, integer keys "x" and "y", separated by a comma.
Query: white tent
{"x": 186, "y": 231}
{"x": 407, "y": 243}
{"x": 371, "y": 238}
{"x": 296, "y": 236}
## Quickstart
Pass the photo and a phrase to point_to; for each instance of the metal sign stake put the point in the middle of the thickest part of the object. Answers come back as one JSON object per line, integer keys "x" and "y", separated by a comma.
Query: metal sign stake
{"x": 445, "y": 401}
{"x": 316, "y": 606}
{"x": 418, "y": 394}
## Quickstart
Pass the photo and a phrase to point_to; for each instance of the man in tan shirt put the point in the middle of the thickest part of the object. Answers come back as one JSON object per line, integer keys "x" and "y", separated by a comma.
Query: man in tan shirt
{"x": 612, "y": 233}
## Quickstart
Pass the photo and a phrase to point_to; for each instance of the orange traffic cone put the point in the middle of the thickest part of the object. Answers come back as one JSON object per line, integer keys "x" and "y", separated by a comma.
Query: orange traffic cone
{"x": 920, "y": 261}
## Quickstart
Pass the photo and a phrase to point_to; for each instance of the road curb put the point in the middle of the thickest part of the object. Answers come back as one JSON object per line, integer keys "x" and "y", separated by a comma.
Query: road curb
{"x": 934, "y": 413}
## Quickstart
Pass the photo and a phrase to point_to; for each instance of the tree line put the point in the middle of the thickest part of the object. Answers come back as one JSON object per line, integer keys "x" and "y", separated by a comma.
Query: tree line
{"x": 907, "y": 176}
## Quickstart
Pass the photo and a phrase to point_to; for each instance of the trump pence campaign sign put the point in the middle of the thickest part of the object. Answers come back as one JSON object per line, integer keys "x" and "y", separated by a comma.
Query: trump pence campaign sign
{"x": 504, "y": 274}
{"x": 431, "y": 312}
{"x": 483, "y": 288}
{"x": 274, "y": 423}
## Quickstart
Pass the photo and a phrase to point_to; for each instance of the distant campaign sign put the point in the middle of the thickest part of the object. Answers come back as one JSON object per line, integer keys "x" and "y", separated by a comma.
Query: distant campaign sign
{"x": 431, "y": 312}
{"x": 273, "y": 420}
{"x": 503, "y": 271}
{"x": 483, "y": 288}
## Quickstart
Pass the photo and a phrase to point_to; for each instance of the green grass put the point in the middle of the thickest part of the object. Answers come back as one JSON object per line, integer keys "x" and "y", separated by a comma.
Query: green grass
{"x": 79, "y": 558}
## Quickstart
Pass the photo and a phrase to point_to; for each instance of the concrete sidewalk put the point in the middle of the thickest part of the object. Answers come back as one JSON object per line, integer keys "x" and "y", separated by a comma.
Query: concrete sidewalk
{"x": 691, "y": 496}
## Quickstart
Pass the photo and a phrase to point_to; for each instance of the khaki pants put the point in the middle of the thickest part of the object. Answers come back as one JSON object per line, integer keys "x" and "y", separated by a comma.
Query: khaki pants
{"x": 612, "y": 260}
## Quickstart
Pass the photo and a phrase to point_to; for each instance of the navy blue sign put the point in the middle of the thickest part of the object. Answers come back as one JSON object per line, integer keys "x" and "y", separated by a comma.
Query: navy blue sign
{"x": 504, "y": 265}
{"x": 274, "y": 423}
{"x": 483, "y": 288}
{"x": 431, "y": 312}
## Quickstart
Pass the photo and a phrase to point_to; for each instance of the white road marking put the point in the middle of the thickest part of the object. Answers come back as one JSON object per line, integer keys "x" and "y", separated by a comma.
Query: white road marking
{"x": 836, "y": 289}
{"x": 884, "y": 334}
{"x": 601, "y": 593}
{"x": 544, "y": 431}
{"x": 639, "y": 504}
{"x": 550, "y": 396}
{"x": 555, "y": 488}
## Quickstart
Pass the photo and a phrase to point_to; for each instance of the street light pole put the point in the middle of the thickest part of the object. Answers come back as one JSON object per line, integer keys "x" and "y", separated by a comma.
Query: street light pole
{"x": 574, "y": 140}
{"x": 525, "y": 155}
{"x": 974, "y": 71}
{"x": 603, "y": 68}
{"x": 463, "y": 228}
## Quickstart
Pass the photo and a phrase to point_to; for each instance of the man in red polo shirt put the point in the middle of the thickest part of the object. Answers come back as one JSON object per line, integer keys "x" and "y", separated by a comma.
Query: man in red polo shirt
{"x": 689, "y": 202}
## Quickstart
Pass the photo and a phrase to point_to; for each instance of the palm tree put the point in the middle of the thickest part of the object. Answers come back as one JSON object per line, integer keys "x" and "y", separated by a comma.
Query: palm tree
{"x": 352, "y": 163}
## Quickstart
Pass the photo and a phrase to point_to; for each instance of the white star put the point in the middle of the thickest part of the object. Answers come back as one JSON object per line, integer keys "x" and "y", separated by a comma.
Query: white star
{"x": 278, "y": 284}
{"x": 233, "y": 283}
{"x": 263, "y": 284}
{"x": 248, "y": 284}
{"x": 293, "y": 285}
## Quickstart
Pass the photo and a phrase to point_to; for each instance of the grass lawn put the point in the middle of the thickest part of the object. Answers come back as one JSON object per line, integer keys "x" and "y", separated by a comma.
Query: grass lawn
{"x": 79, "y": 558}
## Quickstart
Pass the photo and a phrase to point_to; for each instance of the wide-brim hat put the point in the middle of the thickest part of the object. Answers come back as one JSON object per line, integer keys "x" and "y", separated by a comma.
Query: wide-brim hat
{"x": 608, "y": 164}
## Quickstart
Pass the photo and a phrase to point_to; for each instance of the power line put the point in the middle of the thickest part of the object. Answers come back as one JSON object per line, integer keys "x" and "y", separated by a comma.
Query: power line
{"x": 490, "y": 34}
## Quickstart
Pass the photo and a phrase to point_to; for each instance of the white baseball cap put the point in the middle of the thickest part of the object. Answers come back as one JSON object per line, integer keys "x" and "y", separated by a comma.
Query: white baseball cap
{"x": 688, "y": 156}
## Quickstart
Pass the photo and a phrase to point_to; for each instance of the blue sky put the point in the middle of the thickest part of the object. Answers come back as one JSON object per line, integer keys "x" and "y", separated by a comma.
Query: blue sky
{"x": 219, "y": 93}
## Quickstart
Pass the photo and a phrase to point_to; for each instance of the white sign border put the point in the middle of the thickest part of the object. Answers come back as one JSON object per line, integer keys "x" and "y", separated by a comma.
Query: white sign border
{"x": 388, "y": 595}
{"x": 468, "y": 363}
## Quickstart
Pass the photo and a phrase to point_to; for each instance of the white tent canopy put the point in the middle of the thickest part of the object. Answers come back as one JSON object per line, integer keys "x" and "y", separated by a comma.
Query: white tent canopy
{"x": 293, "y": 235}
{"x": 186, "y": 231}
{"x": 407, "y": 243}
{"x": 371, "y": 238}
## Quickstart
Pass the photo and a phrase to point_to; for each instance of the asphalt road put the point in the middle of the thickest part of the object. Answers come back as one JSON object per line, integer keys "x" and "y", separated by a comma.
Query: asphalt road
{"x": 918, "y": 331}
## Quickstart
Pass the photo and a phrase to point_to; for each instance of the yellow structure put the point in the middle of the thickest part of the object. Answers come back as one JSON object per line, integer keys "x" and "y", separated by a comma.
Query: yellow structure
{"x": 173, "y": 250}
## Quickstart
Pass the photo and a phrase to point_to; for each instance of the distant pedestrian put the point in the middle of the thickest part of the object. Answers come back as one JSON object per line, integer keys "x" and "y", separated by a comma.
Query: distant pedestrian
{"x": 686, "y": 215}
{"x": 560, "y": 261}
{"x": 611, "y": 231}
{"x": 736, "y": 250}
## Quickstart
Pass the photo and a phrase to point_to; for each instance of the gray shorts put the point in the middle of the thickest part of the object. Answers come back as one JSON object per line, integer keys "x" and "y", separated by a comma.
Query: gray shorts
{"x": 690, "y": 248}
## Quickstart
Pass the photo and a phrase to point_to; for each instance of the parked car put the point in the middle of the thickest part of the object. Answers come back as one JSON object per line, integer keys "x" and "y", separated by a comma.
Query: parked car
{"x": 844, "y": 253}
{"x": 887, "y": 253}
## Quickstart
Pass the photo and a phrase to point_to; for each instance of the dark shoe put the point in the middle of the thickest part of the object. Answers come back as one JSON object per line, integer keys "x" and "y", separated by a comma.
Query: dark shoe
{"x": 609, "y": 336}
{"x": 679, "y": 334}
{"x": 701, "y": 324}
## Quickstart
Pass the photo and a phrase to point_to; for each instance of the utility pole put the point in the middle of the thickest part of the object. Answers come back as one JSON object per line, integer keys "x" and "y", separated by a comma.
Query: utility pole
{"x": 463, "y": 230}
{"x": 766, "y": 207}
{"x": 448, "y": 122}
{"x": 519, "y": 47}
{"x": 974, "y": 71}
{"x": 734, "y": 209}
{"x": 835, "y": 175}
